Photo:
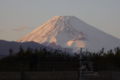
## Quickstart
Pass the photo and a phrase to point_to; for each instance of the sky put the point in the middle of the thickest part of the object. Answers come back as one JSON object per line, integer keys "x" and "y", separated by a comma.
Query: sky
{"x": 19, "y": 17}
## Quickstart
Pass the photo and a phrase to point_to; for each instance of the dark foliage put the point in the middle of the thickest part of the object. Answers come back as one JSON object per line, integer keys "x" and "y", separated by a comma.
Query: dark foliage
{"x": 39, "y": 60}
{"x": 57, "y": 60}
{"x": 104, "y": 60}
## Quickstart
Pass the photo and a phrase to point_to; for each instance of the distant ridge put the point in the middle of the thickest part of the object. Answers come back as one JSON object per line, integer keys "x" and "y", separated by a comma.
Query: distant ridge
{"x": 5, "y": 46}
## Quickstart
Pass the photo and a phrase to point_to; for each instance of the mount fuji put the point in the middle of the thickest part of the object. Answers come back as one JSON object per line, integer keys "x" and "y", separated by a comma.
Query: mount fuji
{"x": 71, "y": 32}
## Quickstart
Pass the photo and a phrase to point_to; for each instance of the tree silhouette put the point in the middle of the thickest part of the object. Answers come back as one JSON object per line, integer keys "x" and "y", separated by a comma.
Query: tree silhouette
{"x": 10, "y": 52}
{"x": 21, "y": 51}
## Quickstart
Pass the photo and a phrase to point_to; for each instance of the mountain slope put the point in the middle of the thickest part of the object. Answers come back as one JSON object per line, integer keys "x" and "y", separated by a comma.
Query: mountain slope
{"x": 71, "y": 32}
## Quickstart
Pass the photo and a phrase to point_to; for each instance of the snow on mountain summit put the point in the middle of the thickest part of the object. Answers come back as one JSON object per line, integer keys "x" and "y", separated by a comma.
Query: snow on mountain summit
{"x": 71, "y": 32}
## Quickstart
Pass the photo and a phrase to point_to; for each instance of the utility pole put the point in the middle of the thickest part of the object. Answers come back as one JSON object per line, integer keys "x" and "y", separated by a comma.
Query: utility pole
{"x": 80, "y": 60}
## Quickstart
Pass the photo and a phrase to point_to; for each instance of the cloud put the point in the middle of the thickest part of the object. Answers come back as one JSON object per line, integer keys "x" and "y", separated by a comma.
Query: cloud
{"x": 21, "y": 28}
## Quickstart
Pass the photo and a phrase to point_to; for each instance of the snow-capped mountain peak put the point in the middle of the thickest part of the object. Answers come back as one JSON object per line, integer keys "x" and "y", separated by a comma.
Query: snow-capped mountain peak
{"x": 71, "y": 32}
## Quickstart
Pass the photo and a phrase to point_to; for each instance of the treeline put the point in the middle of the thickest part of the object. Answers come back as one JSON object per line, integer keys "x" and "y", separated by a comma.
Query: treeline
{"x": 103, "y": 60}
{"x": 57, "y": 60}
{"x": 40, "y": 60}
